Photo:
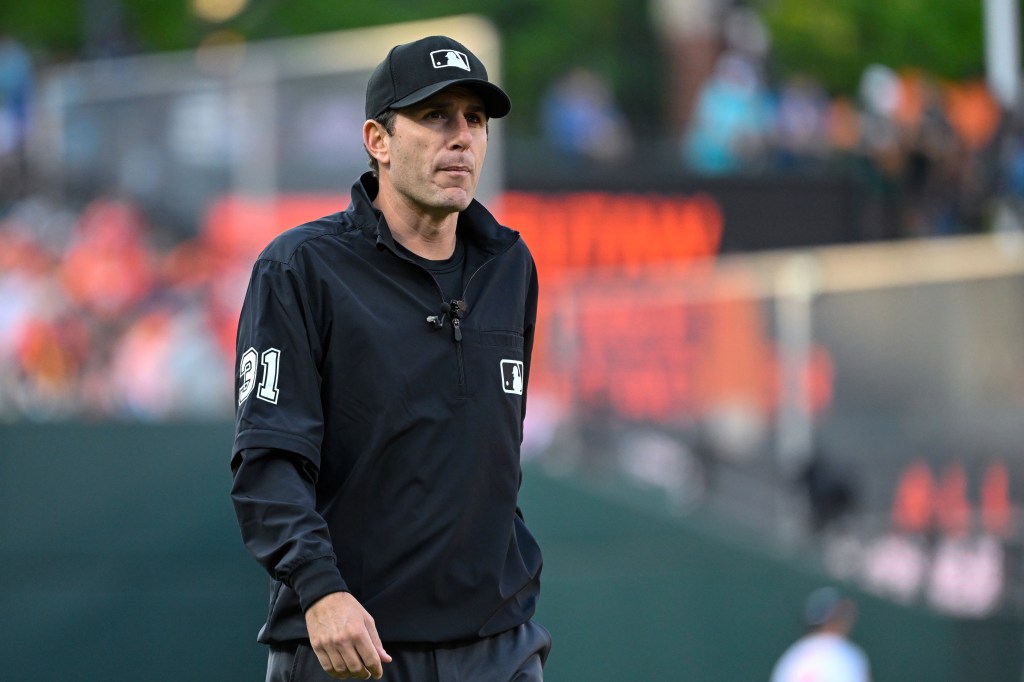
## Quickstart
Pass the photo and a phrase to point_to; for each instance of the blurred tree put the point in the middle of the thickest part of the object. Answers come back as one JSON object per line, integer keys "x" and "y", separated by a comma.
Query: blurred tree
{"x": 51, "y": 26}
{"x": 544, "y": 38}
{"x": 835, "y": 40}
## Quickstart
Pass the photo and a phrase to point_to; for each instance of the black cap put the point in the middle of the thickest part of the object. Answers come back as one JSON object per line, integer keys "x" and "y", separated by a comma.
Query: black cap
{"x": 414, "y": 71}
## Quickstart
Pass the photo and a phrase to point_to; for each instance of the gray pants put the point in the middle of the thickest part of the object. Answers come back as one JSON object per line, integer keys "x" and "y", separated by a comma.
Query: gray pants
{"x": 517, "y": 655}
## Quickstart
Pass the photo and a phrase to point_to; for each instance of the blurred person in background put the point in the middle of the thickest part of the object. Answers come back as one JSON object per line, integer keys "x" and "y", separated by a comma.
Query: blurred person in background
{"x": 825, "y": 653}
{"x": 16, "y": 83}
{"x": 799, "y": 138}
{"x": 109, "y": 268}
{"x": 975, "y": 116}
{"x": 44, "y": 344}
{"x": 384, "y": 355}
{"x": 581, "y": 119}
{"x": 932, "y": 158}
{"x": 731, "y": 122}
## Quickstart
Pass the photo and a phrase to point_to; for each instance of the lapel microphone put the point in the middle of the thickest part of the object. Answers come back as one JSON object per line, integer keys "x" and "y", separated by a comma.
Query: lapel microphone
{"x": 456, "y": 309}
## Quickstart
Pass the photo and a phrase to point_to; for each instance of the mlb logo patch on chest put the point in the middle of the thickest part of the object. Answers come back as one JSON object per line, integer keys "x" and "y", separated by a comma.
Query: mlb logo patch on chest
{"x": 512, "y": 376}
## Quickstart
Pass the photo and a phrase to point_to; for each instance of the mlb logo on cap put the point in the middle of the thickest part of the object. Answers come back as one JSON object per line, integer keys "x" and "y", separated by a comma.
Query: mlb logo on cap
{"x": 443, "y": 58}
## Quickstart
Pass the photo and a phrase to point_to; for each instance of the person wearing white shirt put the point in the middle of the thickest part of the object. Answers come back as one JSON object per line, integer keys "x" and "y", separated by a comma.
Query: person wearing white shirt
{"x": 825, "y": 653}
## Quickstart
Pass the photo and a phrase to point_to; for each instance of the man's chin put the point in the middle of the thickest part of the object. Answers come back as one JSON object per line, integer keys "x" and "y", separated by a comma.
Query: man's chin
{"x": 456, "y": 200}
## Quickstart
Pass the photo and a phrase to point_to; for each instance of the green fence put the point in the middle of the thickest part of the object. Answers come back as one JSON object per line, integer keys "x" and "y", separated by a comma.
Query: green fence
{"x": 123, "y": 562}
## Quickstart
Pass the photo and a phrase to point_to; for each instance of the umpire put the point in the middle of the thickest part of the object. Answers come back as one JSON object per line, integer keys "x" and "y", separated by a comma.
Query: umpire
{"x": 383, "y": 360}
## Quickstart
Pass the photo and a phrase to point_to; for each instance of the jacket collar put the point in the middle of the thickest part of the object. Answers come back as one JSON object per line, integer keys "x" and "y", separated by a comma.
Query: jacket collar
{"x": 476, "y": 224}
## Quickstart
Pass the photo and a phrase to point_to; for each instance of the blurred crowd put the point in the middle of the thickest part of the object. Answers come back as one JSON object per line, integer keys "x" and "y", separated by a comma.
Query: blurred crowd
{"x": 933, "y": 150}
{"x": 98, "y": 321}
{"x": 105, "y": 313}
{"x": 937, "y": 157}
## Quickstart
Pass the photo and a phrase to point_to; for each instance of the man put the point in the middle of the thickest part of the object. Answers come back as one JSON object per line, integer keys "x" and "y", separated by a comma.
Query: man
{"x": 384, "y": 357}
{"x": 825, "y": 653}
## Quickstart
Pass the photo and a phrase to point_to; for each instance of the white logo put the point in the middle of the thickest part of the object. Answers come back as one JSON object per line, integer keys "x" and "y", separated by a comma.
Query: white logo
{"x": 443, "y": 58}
{"x": 512, "y": 376}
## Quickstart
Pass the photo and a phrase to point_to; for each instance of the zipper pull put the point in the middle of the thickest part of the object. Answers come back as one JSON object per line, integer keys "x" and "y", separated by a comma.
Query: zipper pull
{"x": 457, "y": 326}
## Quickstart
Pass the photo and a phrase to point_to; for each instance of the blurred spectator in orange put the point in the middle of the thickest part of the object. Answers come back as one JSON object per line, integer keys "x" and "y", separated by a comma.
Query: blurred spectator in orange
{"x": 26, "y": 273}
{"x": 914, "y": 502}
{"x": 51, "y": 354}
{"x": 35, "y": 366}
{"x": 108, "y": 268}
{"x": 197, "y": 271}
{"x": 975, "y": 115}
{"x": 973, "y": 112}
{"x": 188, "y": 267}
{"x": 843, "y": 126}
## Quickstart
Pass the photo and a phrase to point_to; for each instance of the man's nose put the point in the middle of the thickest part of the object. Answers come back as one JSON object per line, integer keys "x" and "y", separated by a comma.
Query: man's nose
{"x": 462, "y": 134}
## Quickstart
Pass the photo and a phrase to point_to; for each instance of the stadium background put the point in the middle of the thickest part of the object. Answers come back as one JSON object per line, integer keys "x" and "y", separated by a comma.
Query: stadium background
{"x": 781, "y": 254}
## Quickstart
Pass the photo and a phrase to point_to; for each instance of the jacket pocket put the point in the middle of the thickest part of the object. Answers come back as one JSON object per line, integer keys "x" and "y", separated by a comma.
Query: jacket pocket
{"x": 500, "y": 339}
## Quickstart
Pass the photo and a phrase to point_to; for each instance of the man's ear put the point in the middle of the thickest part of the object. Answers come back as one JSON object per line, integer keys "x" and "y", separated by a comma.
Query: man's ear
{"x": 377, "y": 141}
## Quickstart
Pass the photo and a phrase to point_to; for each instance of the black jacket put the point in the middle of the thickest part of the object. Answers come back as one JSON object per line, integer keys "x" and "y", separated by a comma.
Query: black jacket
{"x": 377, "y": 451}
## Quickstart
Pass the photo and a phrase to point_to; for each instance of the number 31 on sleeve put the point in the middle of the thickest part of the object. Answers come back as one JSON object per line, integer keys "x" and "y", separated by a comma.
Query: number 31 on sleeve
{"x": 247, "y": 369}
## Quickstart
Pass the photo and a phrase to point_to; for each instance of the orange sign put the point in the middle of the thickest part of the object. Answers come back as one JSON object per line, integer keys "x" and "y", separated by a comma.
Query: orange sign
{"x": 629, "y": 231}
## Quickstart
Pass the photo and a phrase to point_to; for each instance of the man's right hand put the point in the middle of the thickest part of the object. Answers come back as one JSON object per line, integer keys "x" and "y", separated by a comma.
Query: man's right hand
{"x": 344, "y": 638}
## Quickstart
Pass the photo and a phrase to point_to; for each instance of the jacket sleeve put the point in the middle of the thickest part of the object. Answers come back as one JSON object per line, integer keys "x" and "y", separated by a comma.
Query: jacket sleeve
{"x": 273, "y": 492}
{"x": 278, "y": 359}
{"x": 275, "y": 460}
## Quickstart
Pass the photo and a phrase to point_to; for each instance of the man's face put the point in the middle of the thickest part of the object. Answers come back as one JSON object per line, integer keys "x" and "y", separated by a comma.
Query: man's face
{"x": 436, "y": 154}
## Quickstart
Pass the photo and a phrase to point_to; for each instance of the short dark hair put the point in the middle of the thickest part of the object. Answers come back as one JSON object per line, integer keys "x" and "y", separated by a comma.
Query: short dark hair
{"x": 387, "y": 119}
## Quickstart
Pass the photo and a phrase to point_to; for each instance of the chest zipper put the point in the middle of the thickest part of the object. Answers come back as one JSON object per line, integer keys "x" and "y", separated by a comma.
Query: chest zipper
{"x": 456, "y": 309}
{"x": 456, "y": 313}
